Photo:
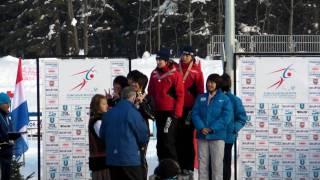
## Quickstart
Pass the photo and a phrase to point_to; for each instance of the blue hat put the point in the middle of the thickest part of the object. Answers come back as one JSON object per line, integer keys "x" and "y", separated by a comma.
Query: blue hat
{"x": 188, "y": 50}
{"x": 4, "y": 98}
{"x": 163, "y": 54}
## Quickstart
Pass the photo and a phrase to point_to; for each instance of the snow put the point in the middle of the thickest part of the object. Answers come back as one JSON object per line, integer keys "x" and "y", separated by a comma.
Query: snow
{"x": 51, "y": 31}
{"x": 74, "y": 22}
{"x": 199, "y": 1}
{"x": 110, "y": 7}
{"x": 168, "y": 7}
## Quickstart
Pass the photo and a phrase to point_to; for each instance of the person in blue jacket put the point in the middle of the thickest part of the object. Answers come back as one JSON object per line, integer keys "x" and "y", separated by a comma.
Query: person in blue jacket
{"x": 124, "y": 131}
{"x": 237, "y": 122}
{"x": 6, "y": 145}
{"x": 211, "y": 114}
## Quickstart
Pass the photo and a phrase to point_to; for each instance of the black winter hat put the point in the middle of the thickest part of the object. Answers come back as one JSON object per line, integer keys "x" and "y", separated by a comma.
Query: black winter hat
{"x": 167, "y": 168}
{"x": 163, "y": 54}
{"x": 188, "y": 50}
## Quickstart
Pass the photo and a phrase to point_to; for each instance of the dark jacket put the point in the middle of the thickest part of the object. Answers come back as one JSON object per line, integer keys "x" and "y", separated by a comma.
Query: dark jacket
{"x": 193, "y": 83}
{"x": 7, "y": 149}
{"x": 123, "y": 130}
{"x": 97, "y": 154}
{"x": 238, "y": 120}
{"x": 168, "y": 92}
{"x": 215, "y": 116}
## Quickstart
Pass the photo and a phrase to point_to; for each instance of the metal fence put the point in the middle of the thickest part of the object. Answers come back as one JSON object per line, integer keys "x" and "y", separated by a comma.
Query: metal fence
{"x": 267, "y": 44}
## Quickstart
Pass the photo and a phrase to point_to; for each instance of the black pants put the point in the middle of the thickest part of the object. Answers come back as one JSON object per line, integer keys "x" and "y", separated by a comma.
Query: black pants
{"x": 144, "y": 164}
{"x": 227, "y": 161}
{"x": 126, "y": 172}
{"x": 5, "y": 164}
{"x": 185, "y": 148}
{"x": 166, "y": 137}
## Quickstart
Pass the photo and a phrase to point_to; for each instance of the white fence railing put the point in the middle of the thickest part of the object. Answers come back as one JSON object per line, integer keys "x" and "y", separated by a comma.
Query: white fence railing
{"x": 267, "y": 44}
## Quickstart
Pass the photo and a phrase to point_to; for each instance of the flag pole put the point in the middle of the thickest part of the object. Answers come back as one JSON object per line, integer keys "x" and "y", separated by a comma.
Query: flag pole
{"x": 38, "y": 119}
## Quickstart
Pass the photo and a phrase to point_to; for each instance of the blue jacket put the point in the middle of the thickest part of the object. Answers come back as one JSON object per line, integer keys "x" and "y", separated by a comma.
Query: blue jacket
{"x": 215, "y": 116}
{"x": 5, "y": 150}
{"x": 238, "y": 120}
{"x": 123, "y": 130}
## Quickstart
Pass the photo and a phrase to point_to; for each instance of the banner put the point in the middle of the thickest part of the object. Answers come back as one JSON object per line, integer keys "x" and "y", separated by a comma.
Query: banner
{"x": 281, "y": 96}
{"x": 69, "y": 86}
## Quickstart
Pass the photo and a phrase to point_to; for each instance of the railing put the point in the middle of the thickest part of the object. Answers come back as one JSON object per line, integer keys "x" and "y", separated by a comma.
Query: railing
{"x": 267, "y": 44}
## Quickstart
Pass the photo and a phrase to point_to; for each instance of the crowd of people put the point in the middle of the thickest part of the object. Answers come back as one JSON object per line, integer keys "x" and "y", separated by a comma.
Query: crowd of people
{"x": 175, "y": 99}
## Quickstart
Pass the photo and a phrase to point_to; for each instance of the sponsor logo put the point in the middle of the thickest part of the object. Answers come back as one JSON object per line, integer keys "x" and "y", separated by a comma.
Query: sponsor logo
{"x": 248, "y": 136}
{"x": 315, "y": 81}
{"x": 248, "y": 81}
{"x": 285, "y": 73}
{"x": 288, "y": 137}
{"x": 261, "y": 159}
{"x": 87, "y": 75}
{"x": 248, "y": 171}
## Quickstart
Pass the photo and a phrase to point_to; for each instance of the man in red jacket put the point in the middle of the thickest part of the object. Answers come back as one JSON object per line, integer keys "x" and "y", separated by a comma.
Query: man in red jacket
{"x": 192, "y": 78}
{"x": 166, "y": 89}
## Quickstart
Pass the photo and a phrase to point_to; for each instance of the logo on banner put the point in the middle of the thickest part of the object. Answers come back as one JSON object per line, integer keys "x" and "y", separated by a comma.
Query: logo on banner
{"x": 315, "y": 81}
{"x": 248, "y": 136}
{"x": 284, "y": 73}
{"x": 249, "y": 123}
{"x": 51, "y": 83}
{"x": 275, "y": 130}
{"x": 78, "y": 116}
{"x": 315, "y": 171}
{"x": 65, "y": 110}
{"x": 261, "y": 109}
{"x": 52, "y": 124}
{"x": 289, "y": 137}
{"x": 65, "y": 167}
{"x": 315, "y": 137}
{"x": 262, "y": 160}
{"x": 248, "y": 81}
{"x": 87, "y": 75}
{"x": 78, "y": 132}
{"x": 302, "y": 124}
{"x": 52, "y": 173}
{"x": 79, "y": 166}
{"x": 248, "y": 171}
{"x": 261, "y": 124}
{"x": 52, "y": 138}
{"x": 288, "y": 122}
{"x": 275, "y": 168}
{"x": 301, "y": 105}
{"x": 315, "y": 118}
{"x": 288, "y": 172}
{"x": 302, "y": 162}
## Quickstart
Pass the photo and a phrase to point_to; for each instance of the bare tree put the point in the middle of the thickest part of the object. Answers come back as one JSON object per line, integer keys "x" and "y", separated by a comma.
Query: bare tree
{"x": 74, "y": 33}
{"x": 85, "y": 27}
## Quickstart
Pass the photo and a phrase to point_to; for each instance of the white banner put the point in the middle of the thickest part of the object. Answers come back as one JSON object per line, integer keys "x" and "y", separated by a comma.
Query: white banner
{"x": 281, "y": 96}
{"x": 69, "y": 87}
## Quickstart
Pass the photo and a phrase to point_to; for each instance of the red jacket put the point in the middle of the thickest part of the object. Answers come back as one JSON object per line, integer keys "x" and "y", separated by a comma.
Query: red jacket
{"x": 193, "y": 81}
{"x": 166, "y": 88}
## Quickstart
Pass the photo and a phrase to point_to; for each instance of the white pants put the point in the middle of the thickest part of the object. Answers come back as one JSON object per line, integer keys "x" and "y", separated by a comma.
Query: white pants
{"x": 215, "y": 150}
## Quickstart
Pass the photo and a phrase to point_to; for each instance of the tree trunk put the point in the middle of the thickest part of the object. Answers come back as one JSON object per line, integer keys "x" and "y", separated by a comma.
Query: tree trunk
{"x": 190, "y": 22}
{"x": 220, "y": 17}
{"x": 74, "y": 36}
{"x": 150, "y": 28}
{"x": 85, "y": 28}
{"x": 138, "y": 27}
{"x": 58, "y": 38}
{"x": 291, "y": 18}
{"x": 159, "y": 26}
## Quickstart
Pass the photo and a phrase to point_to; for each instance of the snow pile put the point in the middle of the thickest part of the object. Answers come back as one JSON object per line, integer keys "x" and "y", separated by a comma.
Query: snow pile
{"x": 74, "y": 22}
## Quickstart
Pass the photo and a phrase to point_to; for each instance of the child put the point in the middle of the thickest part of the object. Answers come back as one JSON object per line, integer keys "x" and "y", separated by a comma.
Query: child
{"x": 97, "y": 156}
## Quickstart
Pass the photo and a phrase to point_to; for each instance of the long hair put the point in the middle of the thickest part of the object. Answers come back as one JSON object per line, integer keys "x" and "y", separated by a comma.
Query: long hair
{"x": 95, "y": 106}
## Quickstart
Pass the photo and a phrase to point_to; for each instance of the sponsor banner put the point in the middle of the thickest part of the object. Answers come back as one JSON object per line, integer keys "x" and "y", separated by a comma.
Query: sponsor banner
{"x": 68, "y": 89}
{"x": 281, "y": 96}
